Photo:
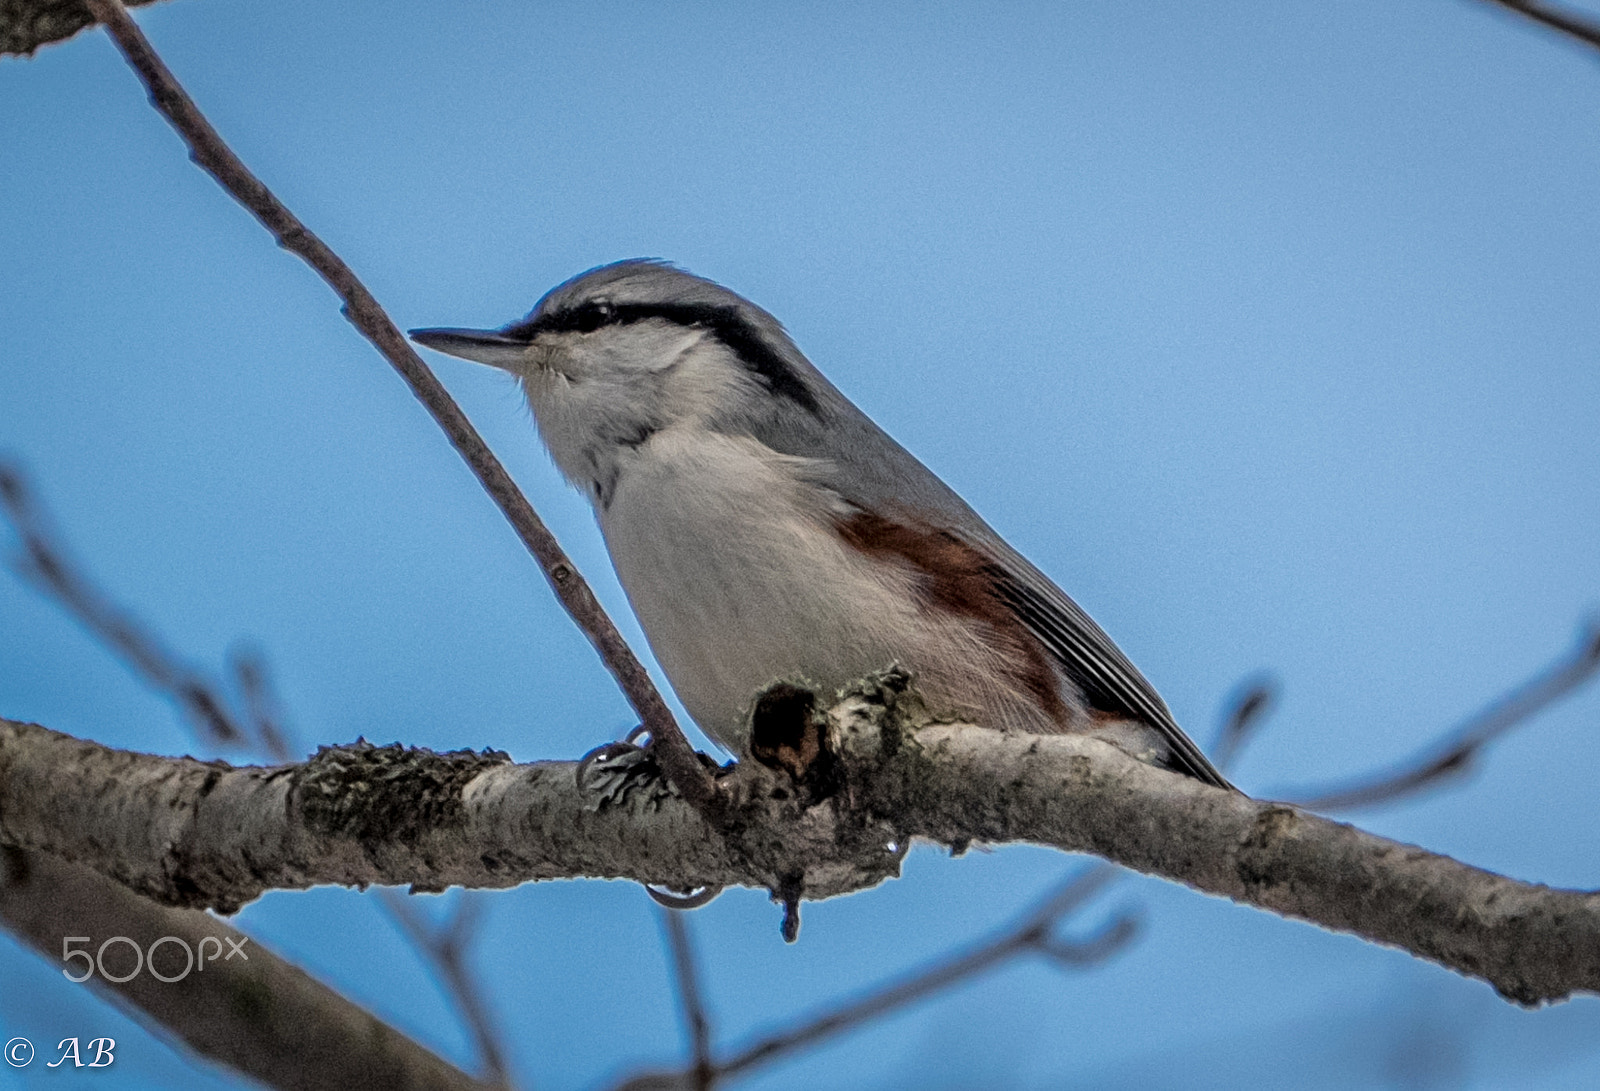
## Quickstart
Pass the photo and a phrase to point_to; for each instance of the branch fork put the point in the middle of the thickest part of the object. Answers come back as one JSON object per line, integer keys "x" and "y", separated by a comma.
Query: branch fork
{"x": 198, "y": 834}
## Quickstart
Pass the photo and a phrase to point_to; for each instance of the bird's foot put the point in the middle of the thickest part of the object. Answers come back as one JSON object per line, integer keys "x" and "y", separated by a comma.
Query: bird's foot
{"x": 608, "y": 774}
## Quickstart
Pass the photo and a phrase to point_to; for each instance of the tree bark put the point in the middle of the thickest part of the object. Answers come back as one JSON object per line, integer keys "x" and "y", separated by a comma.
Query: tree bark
{"x": 194, "y": 833}
{"x": 25, "y": 25}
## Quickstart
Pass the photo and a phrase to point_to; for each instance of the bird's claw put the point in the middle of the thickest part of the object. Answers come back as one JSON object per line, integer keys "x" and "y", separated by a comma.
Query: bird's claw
{"x": 608, "y": 773}
{"x": 673, "y": 899}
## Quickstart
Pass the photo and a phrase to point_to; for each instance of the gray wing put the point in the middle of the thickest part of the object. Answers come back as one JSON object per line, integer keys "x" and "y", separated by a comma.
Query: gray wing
{"x": 866, "y": 467}
{"x": 1106, "y": 677}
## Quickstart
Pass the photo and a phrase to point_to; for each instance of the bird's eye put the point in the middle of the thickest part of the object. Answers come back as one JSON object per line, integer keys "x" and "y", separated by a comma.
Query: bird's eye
{"x": 591, "y": 316}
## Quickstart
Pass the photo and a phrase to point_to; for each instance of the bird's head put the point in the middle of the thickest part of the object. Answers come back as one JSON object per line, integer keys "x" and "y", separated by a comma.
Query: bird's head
{"x": 618, "y": 354}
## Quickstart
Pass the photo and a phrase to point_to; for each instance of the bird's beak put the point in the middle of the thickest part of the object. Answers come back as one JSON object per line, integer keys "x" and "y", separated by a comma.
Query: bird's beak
{"x": 480, "y": 346}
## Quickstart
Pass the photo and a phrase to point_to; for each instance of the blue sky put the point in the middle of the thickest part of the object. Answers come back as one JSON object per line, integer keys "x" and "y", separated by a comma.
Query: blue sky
{"x": 1269, "y": 331}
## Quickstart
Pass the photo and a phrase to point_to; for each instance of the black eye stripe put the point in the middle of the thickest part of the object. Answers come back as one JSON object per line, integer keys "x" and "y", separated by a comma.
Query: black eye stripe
{"x": 725, "y": 323}
{"x": 590, "y": 317}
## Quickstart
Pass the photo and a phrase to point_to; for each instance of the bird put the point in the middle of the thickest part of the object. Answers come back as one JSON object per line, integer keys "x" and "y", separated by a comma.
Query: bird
{"x": 765, "y": 529}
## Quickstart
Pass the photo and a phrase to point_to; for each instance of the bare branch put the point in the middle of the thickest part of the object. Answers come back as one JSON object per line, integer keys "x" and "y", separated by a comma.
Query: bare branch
{"x": 1248, "y": 707}
{"x": 672, "y": 749}
{"x": 701, "y": 1074}
{"x": 1455, "y": 754}
{"x": 255, "y": 1012}
{"x": 45, "y": 558}
{"x": 194, "y": 833}
{"x": 1075, "y": 954}
{"x": 1033, "y": 933}
{"x": 1571, "y": 24}
{"x": 262, "y": 710}
{"x": 46, "y": 564}
{"x": 445, "y": 948}
{"x": 25, "y": 25}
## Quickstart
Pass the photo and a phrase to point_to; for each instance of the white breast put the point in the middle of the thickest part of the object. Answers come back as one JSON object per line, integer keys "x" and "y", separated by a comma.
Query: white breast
{"x": 730, "y": 560}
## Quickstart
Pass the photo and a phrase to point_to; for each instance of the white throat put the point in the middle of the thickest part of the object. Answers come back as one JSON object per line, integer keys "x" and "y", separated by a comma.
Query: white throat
{"x": 602, "y": 401}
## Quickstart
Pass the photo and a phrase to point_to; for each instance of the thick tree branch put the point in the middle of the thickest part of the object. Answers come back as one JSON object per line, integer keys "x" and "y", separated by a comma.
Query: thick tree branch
{"x": 1246, "y": 708}
{"x": 1530, "y": 942}
{"x": 252, "y": 719}
{"x": 196, "y": 833}
{"x": 209, "y": 151}
{"x": 255, "y": 1013}
{"x": 206, "y": 834}
{"x": 25, "y": 25}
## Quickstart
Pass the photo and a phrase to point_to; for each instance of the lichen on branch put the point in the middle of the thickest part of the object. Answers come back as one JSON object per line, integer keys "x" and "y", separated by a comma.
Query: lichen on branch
{"x": 25, "y": 25}
{"x": 206, "y": 834}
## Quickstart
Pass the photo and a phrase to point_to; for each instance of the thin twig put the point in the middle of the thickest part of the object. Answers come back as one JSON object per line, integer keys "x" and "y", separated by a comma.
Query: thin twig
{"x": 1033, "y": 933}
{"x": 445, "y": 947}
{"x": 47, "y": 564}
{"x": 1569, "y": 23}
{"x": 686, "y": 971}
{"x": 1456, "y": 752}
{"x": 261, "y": 708}
{"x": 207, "y": 149}
{"x": 1248, "y": 707}
{"x": 46, "y": 560}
